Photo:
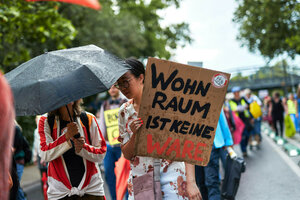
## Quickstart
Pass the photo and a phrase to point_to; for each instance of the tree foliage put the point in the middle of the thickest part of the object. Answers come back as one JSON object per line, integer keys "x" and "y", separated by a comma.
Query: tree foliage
{"x": 128, "y": 28}
{"x": 124, "y": 27}
{"x": 29, "y": 29}
{"x": 271, "y": 27}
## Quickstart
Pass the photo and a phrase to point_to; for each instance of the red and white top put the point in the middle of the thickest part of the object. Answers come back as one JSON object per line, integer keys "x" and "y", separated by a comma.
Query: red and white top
{"x": 52, "y": 148}
{"x": 172, "y": 174}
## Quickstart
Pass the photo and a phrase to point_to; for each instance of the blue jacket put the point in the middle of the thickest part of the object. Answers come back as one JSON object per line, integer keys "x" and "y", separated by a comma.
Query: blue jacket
{"x": 223, "y": 136}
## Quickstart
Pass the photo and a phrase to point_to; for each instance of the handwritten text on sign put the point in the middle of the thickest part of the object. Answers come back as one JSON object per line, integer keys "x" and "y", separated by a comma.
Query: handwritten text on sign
{"x": 111, "y": 122}
{"x": 181, "y": 105}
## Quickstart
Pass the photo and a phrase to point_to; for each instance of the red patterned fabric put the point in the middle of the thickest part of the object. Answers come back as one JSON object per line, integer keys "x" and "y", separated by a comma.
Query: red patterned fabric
{"x": 94, "y": 4}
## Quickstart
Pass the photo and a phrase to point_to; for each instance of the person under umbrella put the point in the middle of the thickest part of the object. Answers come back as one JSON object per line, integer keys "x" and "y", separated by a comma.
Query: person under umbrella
{"x": 72, "y": 171}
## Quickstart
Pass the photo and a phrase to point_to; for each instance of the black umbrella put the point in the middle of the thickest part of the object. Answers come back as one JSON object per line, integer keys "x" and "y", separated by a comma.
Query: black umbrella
{"x": 57, "y": 78}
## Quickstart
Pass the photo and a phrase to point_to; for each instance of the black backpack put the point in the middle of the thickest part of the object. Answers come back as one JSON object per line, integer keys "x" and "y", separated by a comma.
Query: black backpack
{"x": 83, "y": 117}
{"x": 234, "y": 169}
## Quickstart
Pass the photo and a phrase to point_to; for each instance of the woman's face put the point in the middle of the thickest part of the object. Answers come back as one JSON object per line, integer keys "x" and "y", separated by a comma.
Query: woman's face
{"x": 113, "y": 92}
{"x": 129, "y": 85}
{"x": 63, "y": 108}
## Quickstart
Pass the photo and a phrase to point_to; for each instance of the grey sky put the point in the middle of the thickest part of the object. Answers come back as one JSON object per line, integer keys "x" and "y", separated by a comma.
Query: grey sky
{"x": 214, "y": 35}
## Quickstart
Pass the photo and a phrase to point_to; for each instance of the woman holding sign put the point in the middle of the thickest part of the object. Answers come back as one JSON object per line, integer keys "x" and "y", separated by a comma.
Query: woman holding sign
{"x": 177, "y": 179}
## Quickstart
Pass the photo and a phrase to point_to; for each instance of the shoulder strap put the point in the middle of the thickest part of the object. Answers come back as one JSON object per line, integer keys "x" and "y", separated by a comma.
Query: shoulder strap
{"x": 85, "y": 120}
{"x": 50, "y": 120}
{"x": 156, "y": 166}
{"x": 156, "y": 177}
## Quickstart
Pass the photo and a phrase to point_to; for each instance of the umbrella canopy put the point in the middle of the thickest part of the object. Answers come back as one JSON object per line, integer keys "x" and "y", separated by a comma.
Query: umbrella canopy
{"x": 57, "y": 78}
{"x": 94, "y": 4}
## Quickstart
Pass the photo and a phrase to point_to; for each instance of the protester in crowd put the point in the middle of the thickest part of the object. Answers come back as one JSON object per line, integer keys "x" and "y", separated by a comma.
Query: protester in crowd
{"x": 42, "y": 165}
{"x": 13, "y": 194}
{"x": 292, "y": 109}
{"x": 266, "y": 116}
{"x": 20, "y": 146}
{"x": 208, "y": 179}
{"x": 72, "y": 170}
{"x": 276, "y": 111}
{"x": 256, "y": 103}
{"x": 7, "y": 129}
{"x": 228, "y": 113}
{"x": 172, "y": 174}
{"x": 113, "y": 150}
{"x": 241, "y": 108}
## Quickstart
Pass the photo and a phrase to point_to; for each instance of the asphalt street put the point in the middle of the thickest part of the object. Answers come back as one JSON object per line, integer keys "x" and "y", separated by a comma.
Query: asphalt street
{"x": 270, "y": 175}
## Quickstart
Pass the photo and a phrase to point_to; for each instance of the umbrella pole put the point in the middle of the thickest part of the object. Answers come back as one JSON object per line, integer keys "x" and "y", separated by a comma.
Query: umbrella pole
{"x": 69, "y": 113}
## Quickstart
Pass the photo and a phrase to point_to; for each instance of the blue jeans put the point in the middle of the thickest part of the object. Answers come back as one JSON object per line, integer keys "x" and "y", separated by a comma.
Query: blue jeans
{"x": 295, "y": 121}
{"x": 244, "y": 141}
{"x": 257, "y": 127}
{"x": 207, "y": 178}
{"x": 112, "y": 155}
{"x": 20, "y": 169}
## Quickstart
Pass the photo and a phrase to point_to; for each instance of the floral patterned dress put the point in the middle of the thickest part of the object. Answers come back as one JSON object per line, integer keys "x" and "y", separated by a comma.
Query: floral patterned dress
{"x": 172, "y": 174}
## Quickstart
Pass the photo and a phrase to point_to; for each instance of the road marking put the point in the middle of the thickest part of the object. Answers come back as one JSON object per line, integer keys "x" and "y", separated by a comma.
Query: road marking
{"x": 294, "y": 167}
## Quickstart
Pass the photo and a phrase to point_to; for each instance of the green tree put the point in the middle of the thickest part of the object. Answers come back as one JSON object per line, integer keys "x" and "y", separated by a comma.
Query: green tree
{"x": 128, "y": 28}
{"x": 28, "y": 29}
{"x": 271, "y": 27}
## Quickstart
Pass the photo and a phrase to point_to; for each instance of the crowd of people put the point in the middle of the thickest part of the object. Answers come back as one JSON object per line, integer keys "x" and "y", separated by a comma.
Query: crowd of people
{"x": 282, "y": 113}
{"x": 73, "y": 145}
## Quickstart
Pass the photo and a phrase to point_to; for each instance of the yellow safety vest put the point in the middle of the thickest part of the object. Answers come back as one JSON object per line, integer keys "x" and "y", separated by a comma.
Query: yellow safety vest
{"x": 233, "y": 106}
{"x": 291, "y": 107}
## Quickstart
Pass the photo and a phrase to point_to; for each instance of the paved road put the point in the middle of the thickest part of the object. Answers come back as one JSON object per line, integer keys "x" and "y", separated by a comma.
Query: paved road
{"x": 34, "y": 191}
{"x": 270, "y": 175}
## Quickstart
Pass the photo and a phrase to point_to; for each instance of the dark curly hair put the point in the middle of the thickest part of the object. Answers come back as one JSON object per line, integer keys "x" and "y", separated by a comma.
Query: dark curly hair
{"x": 136, "y": 67}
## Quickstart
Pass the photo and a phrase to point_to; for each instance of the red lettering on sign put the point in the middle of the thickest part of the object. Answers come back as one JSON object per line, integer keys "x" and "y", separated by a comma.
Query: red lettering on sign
{"x": 199, "y": 151}
{"x": 159, "y": 150}
{"x": 174, "y": 147}
{"x": 187, "y": 148}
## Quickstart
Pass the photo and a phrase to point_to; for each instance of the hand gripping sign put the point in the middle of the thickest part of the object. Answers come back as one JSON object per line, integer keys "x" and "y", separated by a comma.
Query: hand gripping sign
{"x": 180, "y": 108}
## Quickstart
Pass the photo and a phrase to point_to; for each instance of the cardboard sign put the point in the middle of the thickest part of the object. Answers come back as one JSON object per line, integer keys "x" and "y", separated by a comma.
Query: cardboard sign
{"x": 111, "y": 121}
{"x": 180, "y": 108}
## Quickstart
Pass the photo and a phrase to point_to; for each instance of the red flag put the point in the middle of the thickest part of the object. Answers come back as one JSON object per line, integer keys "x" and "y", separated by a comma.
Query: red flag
{"x": 122, "y": 170}
{"x": 94, "y": 4}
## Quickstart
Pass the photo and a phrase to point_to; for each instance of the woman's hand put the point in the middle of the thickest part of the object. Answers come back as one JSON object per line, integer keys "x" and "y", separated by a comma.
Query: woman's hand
{"x": 72, "y": 130}
{"x": 191, "y": 186}
{"x": 193, "y": 191}
{"x": 78, "y": 144}
{"x": 136, "y": 124}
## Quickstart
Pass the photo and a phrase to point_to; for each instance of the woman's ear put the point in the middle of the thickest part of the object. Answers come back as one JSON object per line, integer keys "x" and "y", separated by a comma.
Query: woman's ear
{"x": 142, "y": 78}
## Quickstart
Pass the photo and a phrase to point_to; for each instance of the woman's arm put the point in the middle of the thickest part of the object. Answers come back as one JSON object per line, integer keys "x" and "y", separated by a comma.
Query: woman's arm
{"x": 96, "y": 150}
{"x": 128, "y": 148}
{"x": 51, "y": 149}
{"x": 192, "y": 189}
